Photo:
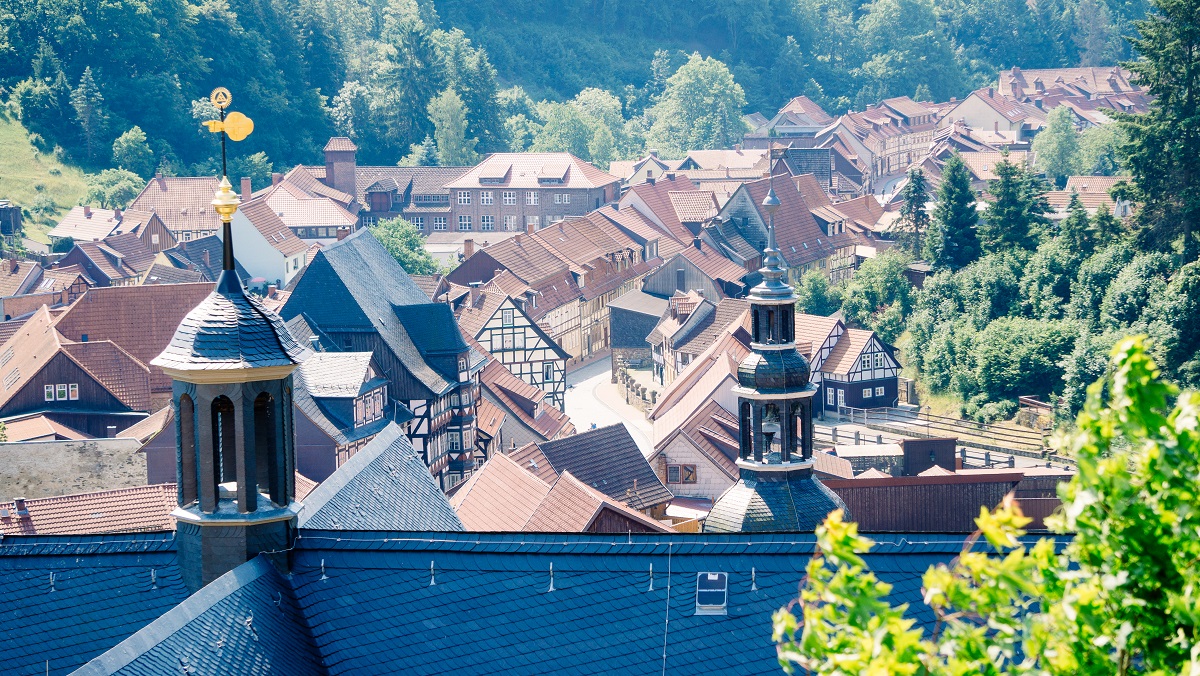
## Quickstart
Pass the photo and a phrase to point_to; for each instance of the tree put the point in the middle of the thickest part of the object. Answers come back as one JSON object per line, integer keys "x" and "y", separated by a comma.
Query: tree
{"x": 1163, "y": 151}
{"x": 1100, "y": 150}
{"x": 1097, "y": 37}
{"x": 952, "y": 242}
{"x": 112, "y": 188}
{"x": 1076, "y": 229}
{"x": 422, "y": 154}
{"x": 449, "y": 117}
{"x": 1106, "y": 228}
{"x": 878, "y": 296}
{"x": 1017, "y": 215}
{"x": 90, "y": 113}
{"x": 1145, "y": 278}
{"x": 1116, "y": 598}
{"x": 815, "y": 296}
{"x": 130, "y": 151}
{"x": 1057, "y": 146}
{"x": 1046, "y": 284}
{"x": 564, "y": 130}
{"x": 701, "y": 107}
{"x": 255, "y": 166}
{"x": 914, "y": 220}
{"x": 601, "y": 149}
{"x": 406, "y": 244}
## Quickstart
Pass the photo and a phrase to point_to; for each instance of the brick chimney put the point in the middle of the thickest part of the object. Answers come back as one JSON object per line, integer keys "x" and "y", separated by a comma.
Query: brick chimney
{"x": 475, "y": 293}
{"x": 530, "y": 228}
{"x": 272, "y": 290}
{"x": 996, "y": 127}
{"x": 207, "y": 262}
{"x": 342, "y": 233}
{"x": 341, "y": 164}
{"x": 468, "y": 247}
{"x": 87, "y": 211}
{"x": 20, "y": 507}
{"x": 247, "y": 191}
{"x": 276, "y": 178}
{"x": 159, "y": 177}
{"x": 117, "y": 214}
{"x": 14, "y": 265}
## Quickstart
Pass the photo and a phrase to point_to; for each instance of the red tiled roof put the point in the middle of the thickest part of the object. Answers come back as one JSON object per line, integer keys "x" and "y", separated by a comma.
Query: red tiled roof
{"x": 17, "y": 277}
{"x": 150, "y": 426}
{"x": 38, "y": 428}
{"x": 124, "y": 510}
{"x": 523, "y": 170}
{"x": 572, "y": 506}
{"x": 340, "y": 144}
{"x": 525, "y": 401}
{"x": 657, "y": 198}
{"x": 488, "y": 418}
{"x": 500, "y": 496}
{"x": 117, "y": 370}
{"x": 304, "y": 486}
{"x": 712, "y": 263}
{"x": 527, "y": 258}
{"x": 847, "y": 349}
{"x": 693, "y": 206}
{"x": 268, "y": 223}
{"x": 812, "y": 192}
{"x": 805, "y": 106}
{"x": 182, "y": 202}
{"x": 531, "y": 459}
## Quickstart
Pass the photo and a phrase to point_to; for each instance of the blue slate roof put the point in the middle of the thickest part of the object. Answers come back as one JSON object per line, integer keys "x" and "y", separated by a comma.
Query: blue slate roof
{"x": 609, "y": 460}
{"x": 104, "y": 588}
{"x": 245, "y": 622}
{"x": 355, "y": 286}
{"x": 773, "y": 502}
{"x": 384, "y": 486}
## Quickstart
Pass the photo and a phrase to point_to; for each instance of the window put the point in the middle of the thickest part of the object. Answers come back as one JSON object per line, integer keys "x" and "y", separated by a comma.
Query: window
{"x": 506, "y": 317}
{"x": 74, "y": 391}
{"x": 462, "y": 363}
{"x": 566, "y": 198}
{"x": 547, "y": 372}
{"x": 187, "y": 236}
{"x": 49, "y": 393}
{"x": 879, "y": 361}
{"x": 455, "y": 441}
{"x": 439, "y": 222}
{"x": 154, "y": 238}
{"x": 531, "y": 198}
{"x": 535, "y": 221}
{"x": 712, "y": 593}
{"x": 487, "y": 222}
{"x": 510, "y": 197}
{"x": 672, "y": 474}
{"x": 464, "y": 222}
{"x": 866, "y": 393}
{"x": 61, "y": 391}
{"x": 508, "y": 341}
{"x": 510, "y": 223}
{"x": 866, "y": 361}
{"x": 681, "y": 474}
{"x": 520, "y": 341}
{"x": 464, "y": 196}
{"x": 879, "y": 391}
{"x": 557, "y": 198}
{"x": 418, "y": 222}
{"x": 485, "y": 197}
{"x": 829, "y": 397}
{"x": 455, "y": 401}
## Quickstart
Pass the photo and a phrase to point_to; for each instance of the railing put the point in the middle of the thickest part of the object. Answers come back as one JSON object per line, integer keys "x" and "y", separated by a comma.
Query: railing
{"x": 916, "y": 423}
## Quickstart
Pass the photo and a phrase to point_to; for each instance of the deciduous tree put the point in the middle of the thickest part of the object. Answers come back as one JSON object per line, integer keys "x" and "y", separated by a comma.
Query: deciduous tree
{"x": 449, "y": 117}
{"x": 406, "y": 244}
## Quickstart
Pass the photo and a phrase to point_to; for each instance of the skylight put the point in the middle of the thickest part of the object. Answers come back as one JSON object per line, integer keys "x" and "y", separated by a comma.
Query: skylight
{"x": 712, "y": 593}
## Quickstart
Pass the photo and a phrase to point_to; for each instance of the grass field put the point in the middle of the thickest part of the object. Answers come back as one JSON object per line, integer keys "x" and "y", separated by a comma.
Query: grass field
{"x": 25, "y": 173}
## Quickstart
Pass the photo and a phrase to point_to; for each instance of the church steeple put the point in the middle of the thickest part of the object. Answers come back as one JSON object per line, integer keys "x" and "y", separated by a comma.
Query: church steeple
{"x": 231, "y": 360}
{"x": 776, "y": 491}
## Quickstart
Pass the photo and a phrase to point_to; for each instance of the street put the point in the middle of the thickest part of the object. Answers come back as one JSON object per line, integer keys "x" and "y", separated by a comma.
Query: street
{"x": 592, "y": 401}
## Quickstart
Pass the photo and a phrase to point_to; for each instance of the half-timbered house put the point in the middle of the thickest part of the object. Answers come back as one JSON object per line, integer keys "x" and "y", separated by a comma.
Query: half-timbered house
{"x": 356, "y": 296}
{"x": 851, "y": 367}
{"x": 502, "y": 326}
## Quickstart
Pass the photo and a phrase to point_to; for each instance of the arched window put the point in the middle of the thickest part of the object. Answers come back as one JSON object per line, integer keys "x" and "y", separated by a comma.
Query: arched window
{"x": 266, "y": 460}
{"x": 745, "y": 429}
{"x": 754, "y": 324}
{"x": 771, "y": 326}
{"x": 224, "y": 440}
{"x": 187, "y": 451}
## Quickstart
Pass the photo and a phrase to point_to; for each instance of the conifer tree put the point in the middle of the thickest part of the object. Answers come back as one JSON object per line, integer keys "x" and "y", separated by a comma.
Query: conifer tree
{"x": 1105, "y": 227}
{"x": 1019, "y": 211}
{"x": 953, "y": 242}
{"x": 1075, "y": 230}
{"x": 913, "y": 217}
{"x": 90, "y": 114}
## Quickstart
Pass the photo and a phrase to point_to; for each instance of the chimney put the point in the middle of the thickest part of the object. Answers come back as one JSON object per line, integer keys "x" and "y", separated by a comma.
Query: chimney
{"x": 737, "y": 148}
{"x": 110, "y": 432}
{"x": 159, "y": 177}
{"x": 696, "y": 241}
{"x": 341, "y": 165}
{"x": 529, "y": 228}
{"x": 996, "y": 127}
{"x": 342, "y": 233}
{"x": 276, "y": 177}
{"x": 475, "y": 292}
{"x": 272, "y": 290}
{"x": 117, "y": 214}
{"x": 468, "y": 247}
{"x": 649, "y": 178}
{"x": 991, "y": 92}
{"x": 20, "y": 507}
{"x": 14, "y": 265}
{"x": 87, "y": 211}
{"x": 670, "y": 176}
{"x": 246, "y": 190}
{"x": 518, "y": 238}
{"x": 680, "y": 275}
{"x": 207, "y": 262}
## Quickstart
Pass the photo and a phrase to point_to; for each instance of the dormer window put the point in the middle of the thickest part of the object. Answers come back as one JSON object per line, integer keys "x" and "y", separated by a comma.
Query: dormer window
{"x": 712, "y": 593}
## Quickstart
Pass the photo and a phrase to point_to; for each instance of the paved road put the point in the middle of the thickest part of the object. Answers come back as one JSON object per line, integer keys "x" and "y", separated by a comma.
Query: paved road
{"x": 593, "y": 401}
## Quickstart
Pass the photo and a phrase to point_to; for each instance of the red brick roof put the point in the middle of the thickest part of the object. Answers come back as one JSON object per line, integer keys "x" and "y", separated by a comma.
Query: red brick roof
{"x": 657, "y": 198}
{"x": 39, "y": 428}
{"x": 268, "y": 223}
{"x": 525, "y": 401}
{"x": 17, "y": 277}
{"x": 117, "y": 370}
{"x": 531, "y": 459}
{"x": 340, "y": 143}
{"x": 523, "y": 170}
{"x": 124, "y": 510}
{"x": 500, "y": 496}
{"x": 182, "y": 202}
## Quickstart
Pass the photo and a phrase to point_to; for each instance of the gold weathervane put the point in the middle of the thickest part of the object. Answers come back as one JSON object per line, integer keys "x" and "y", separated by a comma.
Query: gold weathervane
{"x": 236, "y": 127}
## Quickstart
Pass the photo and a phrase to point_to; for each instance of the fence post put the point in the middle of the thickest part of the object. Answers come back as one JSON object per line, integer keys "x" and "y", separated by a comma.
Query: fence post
{"x": 835, "y": 436}
{"x": 856, "y": 437}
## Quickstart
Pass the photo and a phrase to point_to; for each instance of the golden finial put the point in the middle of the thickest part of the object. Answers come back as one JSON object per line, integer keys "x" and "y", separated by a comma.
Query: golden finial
{"x": 226, "y": 201}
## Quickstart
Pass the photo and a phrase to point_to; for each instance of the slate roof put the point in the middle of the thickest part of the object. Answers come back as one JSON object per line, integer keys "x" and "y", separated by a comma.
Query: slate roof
{"x": 123, "y": 510}
{"x": 229, "y": 330}
{"x": 332, "y": 409}
{"x": 355, "y": 285}
{"x": 695, "y": 336}
{"x": 112, "y": 584}
{"x": 773, "y": 502}
{"x": 415, "y": 180}
{"x": 204, "y": 254}
{"x": 384, "y": 486}
{"x": 336, "y": 374}
{"x": 182, "y": 202}
{"x": 160, "y": 273}
{"x": 608, "y": 459}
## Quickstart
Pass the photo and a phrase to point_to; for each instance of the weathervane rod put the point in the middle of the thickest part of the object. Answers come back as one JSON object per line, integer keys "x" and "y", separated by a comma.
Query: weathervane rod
{"x": 235, "y": 127}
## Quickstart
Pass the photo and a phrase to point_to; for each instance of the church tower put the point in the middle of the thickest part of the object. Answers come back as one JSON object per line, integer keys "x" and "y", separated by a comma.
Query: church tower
{"x": 776, "y": 490}
{"x": 231, "y": 361}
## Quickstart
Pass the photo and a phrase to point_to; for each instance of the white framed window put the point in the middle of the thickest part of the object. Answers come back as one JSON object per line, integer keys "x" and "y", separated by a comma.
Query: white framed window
{"x": 464, "y": 196}
{"x": 547, "y": 372}
{"x": 535, "y": 221}
{"x": 866, "y": 393}
{"x": 879, "y": 391}
{"x": 49, "y": 393}
{"x": 455, "y": 401}
{"x": 557, "y": 198}
{"x": 879, "y": 361}
{"x": 829, "y": 397}
{"x": 531, "y": 198}
{"x": 418, "y": 222}
{"x": 455, "y": 441}
{"x": 487, "y": 222}
{"x": 506, "y": 317}
{"x": 510, "y": 223}
{"x": 464, "y": 222}
{"x": 566, "y": 198}
{"x": 187, "y": 236}
{"x": 154, "y": 238}
{"x": 485, "y": 197}
{"x": 510, "y": 197}
{"x": 508, "y": 341}
{"x": 439, "y": 222}
{"x": 61, "y": 391}
{"x": 866, "y": 361}
{"x": 712, "y": 593}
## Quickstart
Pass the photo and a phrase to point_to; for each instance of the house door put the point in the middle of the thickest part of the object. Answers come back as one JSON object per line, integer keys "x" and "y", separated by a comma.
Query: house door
{"x": 841, "y": 398}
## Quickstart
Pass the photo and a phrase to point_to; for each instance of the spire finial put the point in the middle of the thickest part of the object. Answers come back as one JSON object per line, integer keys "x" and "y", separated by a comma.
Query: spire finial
{"x": 236, "y": 127}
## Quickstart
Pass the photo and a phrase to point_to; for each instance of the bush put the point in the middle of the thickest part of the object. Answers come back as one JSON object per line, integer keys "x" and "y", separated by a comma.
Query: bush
{"x": 994, "y": 411}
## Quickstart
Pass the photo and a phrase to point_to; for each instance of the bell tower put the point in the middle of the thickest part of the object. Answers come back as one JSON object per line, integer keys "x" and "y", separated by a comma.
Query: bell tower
{"x": 776, "y": 490}
{"x": 231, "y": 360}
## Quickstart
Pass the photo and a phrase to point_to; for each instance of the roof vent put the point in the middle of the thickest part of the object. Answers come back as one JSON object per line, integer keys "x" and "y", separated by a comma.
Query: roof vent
{"x": 712, "y": 593}
{"x": 21, "y": 508}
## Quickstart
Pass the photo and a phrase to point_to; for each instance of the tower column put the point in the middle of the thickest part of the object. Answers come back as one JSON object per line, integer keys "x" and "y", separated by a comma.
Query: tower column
{"x": 247, "y": 484}
{"x": 208, "y": 467}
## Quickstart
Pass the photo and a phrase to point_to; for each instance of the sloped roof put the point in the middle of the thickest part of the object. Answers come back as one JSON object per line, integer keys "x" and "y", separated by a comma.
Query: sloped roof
{"x": 336, "y": 374}
{"x": 117, "y": 370}
{"x": 608, "y": 459}
{"x": 714, "y": 432}
{"x": 657, "y": 198}
{"x": 805, "y": 106}
{"x": 267, "y": 222}
{"x": 19, "y": 280}
{"x": 695, "y": 337}
{"x": 813, "y": 330}
{"x": 735, "y": 158}
{"x": 789, "y": 502}
{"x": 983, "y": 164}
{"x": 118, "y": 256}
{"x": 124, "y": 510}
{"x": 205, "y": 254}
{"x": 528, "y": 258}
{"x": 297, "y": 207}
{"x": 489, "y": 418}
{"x": 340, "y": 144}
{"x": 572, "y": 506}
{"x": 38, "y": 427}
{"x": 149, "y": 427}
{"x": 384, "y": 486}
{"x": 713, "y": 264}
{"x": 847, "y": 349}
{"x": 160, "y": 273}
{"x": 693, "y": 206}
{"x": 182, "y": 202}
{"x": 632, "y": 221}
{"x": 500, "y": 496}
{"x": 523, "y": 170}
{"x": 524, "y": 401}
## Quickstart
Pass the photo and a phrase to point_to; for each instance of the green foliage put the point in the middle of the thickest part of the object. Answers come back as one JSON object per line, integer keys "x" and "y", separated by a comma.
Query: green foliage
{"x": 257, "y": 167}
{"x": 406, "y": 244}
{"x": 952, "y": 241}
{"x": 62, "y": 245}
{"x": 1100, "y": 150}
{"x": 815, "y": 296}
{"x": 878, "y": 296}
{"x": 449, "y": 116}
{"x": 701, "y": 107}
{"x": 1076, "y": 230}
{"x": 1046, "y": 282}
{"x": 1131, "y": 291}
{"x": 914, "y": 220}
{"x": 422, "y": 154}
{"x": 1093, "y": 279}
{"x": 1015, "y": 357}
{"x": 1057, "y": 146}
{"x": 113, "y": 188}
{"x": 130, "y": 151}
{"x": 1163, "y": 148}
{"x": 1017, "y": 216}
{"x": 1119, "y": 597}
{"x": 91, "y": 114}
